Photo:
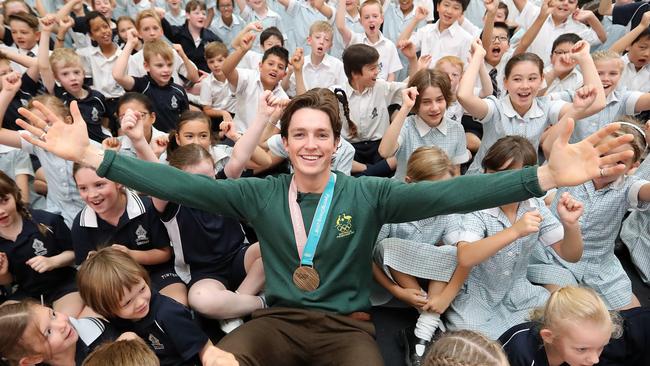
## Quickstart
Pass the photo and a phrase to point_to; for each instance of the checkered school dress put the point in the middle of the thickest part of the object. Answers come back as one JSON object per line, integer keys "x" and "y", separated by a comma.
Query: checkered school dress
{"x": 598, "y": 268}
{"x": 497, "y": 295}
{"x": 424, "y": 249}
{"x": 636, "y": 232}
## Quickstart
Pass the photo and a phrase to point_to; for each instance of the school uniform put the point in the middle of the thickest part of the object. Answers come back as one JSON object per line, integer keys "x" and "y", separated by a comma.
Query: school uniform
{"x": 126, "y": 145}
{"x": 388, "y": 58}
{"x": 569, "y": 83}
{"x": 632, "y": 79}
{"x": 448, "y": 135}
{"x": 341, "y": 159}
{"x": 227, "y": 32}
{"x": 598, "y": 268}
{"x": 502, "y": 120}
{"x": 138, "y": 229}
{"x": 92, "y": 332}
{"x": 62, "y": 194}
{"x": 524, "y": 346}
{"x": 206, "y": 246}
{"x": 217, "y": 94}
{"x": 542, "y": 45}
{"x": 28, "y": 89}
{"x": 96, "y": 66}
{"x": 14, "y": 162}
{"x": 500, "y": 68}
{"x": 497, "y": 294}
{"x": 170, "y": 330}
{"x": 453, "y": 41}
{"x": 19, "y": 68}
{"x": 617, "y": 104}
{"x": 424, "y": 249}
{"x": 136, "y": 66}
{"x": 303, "y": 15}
{"x": 169, "y": 100}
{"x": 176, "y": 20}
{"x": 248, "y": 91}
{"x": 327, "y": 73}
{"x": 359, "y": 208}
{"x": 251, "y": 61}
{"x": 194, "y": 48}
{"x": 30, "y": 243}
{"x": 92, "y": 107}
{"x": 394, "y": 23}
{"x": 270, "y": 19}
{"x": 352, "y": 23}
{"x": 634, "y": 232}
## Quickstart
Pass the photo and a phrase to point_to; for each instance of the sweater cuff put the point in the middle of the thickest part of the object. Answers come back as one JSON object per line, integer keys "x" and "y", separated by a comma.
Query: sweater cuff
{"x": 528, "y": 179}
{"x": 109, "y": 156}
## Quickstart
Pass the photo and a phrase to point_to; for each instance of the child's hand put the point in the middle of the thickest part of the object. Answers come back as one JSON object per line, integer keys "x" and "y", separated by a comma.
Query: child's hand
{"x": 132, "y": 37}
{"x": 131, "y": 125}
{"x": 297, "y": 60}
{"x": 580, "y": 51}
{"x": 413, "y": 297}
{"x": 11, "y": 82}
{"x": 645, "y": 20}
{"x": 269, "y": 104}
{"x": 584, "y": 97}
{"x": 647, "y": 130}
{"x": 127, "y": 336}
{"x": 111, "y": 143}
{"x": 121, "y": 248}
{"x": 226, "y": 116}
{"x": 160, "y": 12}
{"x": 547, "y": 8}
{"x": 317, "y": 4}
{"x": 421, "y": 13}
{"x": 528, "y": 224}
{"x": 408, "y": 49}
{"x": 569, "y": 209}
{"x": 159, "y": 144}
{"x": 424, "y": 61}
{"x": 247, "y": 41}
{"x": 563, "y": 63}
{"x": 66, "y": 23}
{"x": 437, "y": 304}
{"x": 4, "y": 264}
{"x": 179, "y": 49}
{"x": 41, "y": 264}
{"x": 47, "y": 23}
{"x": 408, "y": 97}
{"x": 491, "y": 6}
{"x": 477, "y": 49}
{"x": 582, "y": 16}
{"x": 254, "y": 27}
{"x": 229, "y": 131}
{"x": 213, "y": 356}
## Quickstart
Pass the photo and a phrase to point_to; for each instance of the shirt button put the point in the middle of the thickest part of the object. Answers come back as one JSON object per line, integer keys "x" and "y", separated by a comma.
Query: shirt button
{"x": 506, "y": 273}
{"x": 511, "y": 254}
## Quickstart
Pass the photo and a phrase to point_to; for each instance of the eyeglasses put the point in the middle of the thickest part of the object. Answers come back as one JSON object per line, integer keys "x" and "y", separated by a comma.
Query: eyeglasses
{"x": 225, "y": 6}
{"x": 499, "y": 38}
{"x": 561, "y": 53}
{"x": 138, "y": 115}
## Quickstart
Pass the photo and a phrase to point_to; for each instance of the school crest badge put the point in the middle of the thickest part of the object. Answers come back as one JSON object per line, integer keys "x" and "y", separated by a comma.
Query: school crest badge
{"x": 344, "y": 225}
{"x": 141, "y": 236}
{"x": 374, "y": 113}
{"x": 174, "y": 102}
{"x": 94, "y": 114}
{"x": 155, "y": 343}
{"x": 24, "y": 102}
{"x": 39, "y": 247}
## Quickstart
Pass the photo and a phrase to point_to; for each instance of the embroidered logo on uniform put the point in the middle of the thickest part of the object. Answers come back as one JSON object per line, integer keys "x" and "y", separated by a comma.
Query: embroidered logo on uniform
{"x": 374, "y": 113}
{"x": 344, "y": 225}
{"x": 24, "y": 102}
{"x": 141, "y": 236}
{"x": 381, "y": 66}
{"x": 39, "y": 247}
{"x": 155, "y": 343}
{"x": 174, "y": 102}
{"x": 95, "y": 114}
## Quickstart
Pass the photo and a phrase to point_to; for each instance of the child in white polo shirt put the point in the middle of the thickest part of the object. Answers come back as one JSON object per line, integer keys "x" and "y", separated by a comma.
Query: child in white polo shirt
{"x": 636, "y": 63}
{"x": 216, "y": 97}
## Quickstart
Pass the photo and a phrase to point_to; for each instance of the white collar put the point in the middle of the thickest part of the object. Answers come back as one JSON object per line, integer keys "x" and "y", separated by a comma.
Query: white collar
{"x": 327, "y": 61}
{"x": 527, "y": 205}
{"x": 367, "y": 41}
{"x": 534, "y": 112}
{"x": 134, "y": 208}
{"x": 423, "y": 128}
{"x": 235, "y": 21}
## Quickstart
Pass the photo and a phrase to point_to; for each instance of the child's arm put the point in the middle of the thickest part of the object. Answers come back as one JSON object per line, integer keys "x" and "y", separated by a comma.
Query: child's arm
{"x": 389, "y": 143}
{"x": 408, "y": 49}
{"x": 10, "y": 85}
{"x": 5, "y": 276}
{"x": 625, "y": 41}
{"x": 486, "y": 82}
{"x": 322, "y": 8}
{"x": 569, "y": 211}
{"x": 410, "y": 296}
{"x": 421, "y": 14}
{"x": 192, "y": 71}
{"x": 43, "y": 264}
{"x": 343, "y": 29}
{"x": 580, "y": 54}
{"x": 644, "y": 193}
{"x": 65, "y": 24}
{"x": 440, "y": 303}
{"x": 474, "y": 105}
{"x": 520, "y": 4}
{"x": 29, "y": 62}
{"x": 477, "y": 252}
{"x": 122, "y": 62}
{"x": 210, "y": 355}
{"x": 583, "y": 98}
{"x": 252, "y": 27}
{"x": 605, "y": 7}
{"x": 533, "y": 31}
{"x": 589, "y": 18}
{"x": 241, "y": 4}
{"x": 146, "y": 257}
{"x": 66, "y": 9}
{"x": 47, "y": 75}
{"x": 22, "y": 181}
{"x": 297, "y": 62}
{"x": 229, "y": 66}
{"x": 491, "y": 7}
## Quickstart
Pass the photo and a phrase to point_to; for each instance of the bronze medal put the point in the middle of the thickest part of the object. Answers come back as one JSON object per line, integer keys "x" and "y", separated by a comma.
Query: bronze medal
{"x": 306, "y": 278}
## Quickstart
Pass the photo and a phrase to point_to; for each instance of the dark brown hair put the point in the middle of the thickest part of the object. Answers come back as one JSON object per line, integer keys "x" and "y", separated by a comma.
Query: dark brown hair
{"x": 9, "y": 187}
{"x": 512, "y": 149}
{"x": 320, "y": 99}
{"x": 431, "y": 78}
{"x": 524, "y": 57}
{"x": 188, "y": 116}
{"x": 189, "y": 155}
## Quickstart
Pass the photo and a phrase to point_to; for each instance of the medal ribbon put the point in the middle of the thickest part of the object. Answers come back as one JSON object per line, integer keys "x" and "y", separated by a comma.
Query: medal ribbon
{"x": 306, "y": 245}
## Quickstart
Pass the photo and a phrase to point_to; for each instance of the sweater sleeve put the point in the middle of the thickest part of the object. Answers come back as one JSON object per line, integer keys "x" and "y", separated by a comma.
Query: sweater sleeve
{"x": 240, "y": 198}
{"x": 402, "y": 202}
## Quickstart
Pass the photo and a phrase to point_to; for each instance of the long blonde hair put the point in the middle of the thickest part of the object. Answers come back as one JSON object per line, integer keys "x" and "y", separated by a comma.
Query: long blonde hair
{"x": 428, "y": 163}
{"x": 465, "y": 348}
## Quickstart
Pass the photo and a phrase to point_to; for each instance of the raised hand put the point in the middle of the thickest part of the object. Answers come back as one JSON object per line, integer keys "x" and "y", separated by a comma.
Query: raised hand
{"x": 645, "y": 20}
{"x": 247, "y": 41}
{"x": 569, "y": 209}
{"x": 584, "y": 97}
{"x": 424, "y": 61}
{"x": 111, "y": 143}
{"x": 477, "y": 48}
{"x": 491, "y": 6}
{"x": 11, "y": 82}
{"x": 131, "y": 125}
{"x": 269, "y": 104}
{"x": 547, "y": 7}
{"x": 528, "y": 223}
{"x": 159, "y": 144}
{"x": 580, "y": 51}
{"x": 408, "y": 97}
{"x": 255, "y": 27}
{"x": 297, "y": 60}
{"x": 47, "y": 23}
{"x": 582, "y": 16}
{"x": 408, "y": 49}
{"x": 41, "y": 264}
{"x": 132, "y": 37}
{"x": 421, "y": 13}
{"x": 66, "y": 22}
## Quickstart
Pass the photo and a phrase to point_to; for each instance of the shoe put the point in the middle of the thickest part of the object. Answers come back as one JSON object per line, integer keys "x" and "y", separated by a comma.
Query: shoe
{"x": 414, "y": 348}
{"x": 228, "y": 325}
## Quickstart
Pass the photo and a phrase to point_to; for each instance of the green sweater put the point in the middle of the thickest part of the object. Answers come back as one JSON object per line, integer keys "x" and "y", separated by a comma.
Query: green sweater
{"x": 359, "y": 208}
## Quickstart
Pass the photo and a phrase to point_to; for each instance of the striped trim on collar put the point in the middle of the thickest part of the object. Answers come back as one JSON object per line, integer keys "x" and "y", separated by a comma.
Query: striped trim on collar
{"x": 134, "y": 208}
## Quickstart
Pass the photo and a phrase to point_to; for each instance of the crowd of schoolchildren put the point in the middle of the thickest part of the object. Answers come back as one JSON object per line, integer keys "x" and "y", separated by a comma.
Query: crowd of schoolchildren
{"x": 426, "y": 90}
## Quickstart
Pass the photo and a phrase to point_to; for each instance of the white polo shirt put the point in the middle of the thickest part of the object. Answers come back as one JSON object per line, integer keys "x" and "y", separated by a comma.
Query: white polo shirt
{"x": 329, "y": 72}
{"x": 570, "y": 82}
{"x": 250, "y": 61}
{"x": 247, "y": 92}
{"x": 96, "y": 66}
{"x": 217, "y": 94}
{"x": 634, "y": 80}
{"x": 388, "y": 57}
{"x": 453, "y": 41}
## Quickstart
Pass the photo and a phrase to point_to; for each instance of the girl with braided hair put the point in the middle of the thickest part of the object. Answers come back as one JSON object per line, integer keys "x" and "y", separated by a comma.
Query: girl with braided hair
{"x": 36, "y": 253}
{"x": 465, "y": 348}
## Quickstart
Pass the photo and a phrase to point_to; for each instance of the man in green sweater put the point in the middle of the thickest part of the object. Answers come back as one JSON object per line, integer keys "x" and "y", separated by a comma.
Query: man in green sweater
{"x": 317, "y": 286}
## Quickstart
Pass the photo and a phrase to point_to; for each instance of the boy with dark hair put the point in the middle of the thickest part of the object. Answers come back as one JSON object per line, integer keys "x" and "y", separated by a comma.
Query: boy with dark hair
{"x": 636, "y": 69}
{"x": 562, "y": 74}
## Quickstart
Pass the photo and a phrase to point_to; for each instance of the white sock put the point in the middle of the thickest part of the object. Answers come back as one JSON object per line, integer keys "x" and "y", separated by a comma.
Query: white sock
{"x": 427, "y": 324}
